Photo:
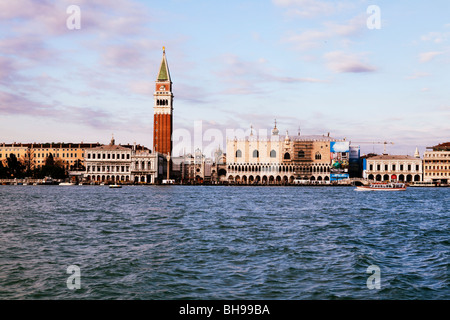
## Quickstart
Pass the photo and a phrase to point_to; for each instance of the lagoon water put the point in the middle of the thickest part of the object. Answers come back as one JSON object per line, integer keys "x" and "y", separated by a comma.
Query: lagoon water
{"x": 219, "y": 242}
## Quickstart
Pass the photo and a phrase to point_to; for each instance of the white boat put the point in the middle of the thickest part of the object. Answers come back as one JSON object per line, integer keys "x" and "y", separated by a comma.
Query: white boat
{"x": 115, "y": 186}
{"x": 67, "y": 184}
{"x": 391, "y": 186}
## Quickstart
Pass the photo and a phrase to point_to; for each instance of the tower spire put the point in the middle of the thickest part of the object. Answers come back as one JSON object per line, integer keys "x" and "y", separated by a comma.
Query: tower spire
{"x": 275, "y": 131}
{"x": 164, "y": 74}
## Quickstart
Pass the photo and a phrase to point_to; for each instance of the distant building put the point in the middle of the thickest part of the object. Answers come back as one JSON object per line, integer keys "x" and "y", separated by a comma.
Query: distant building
{"x": 33, "y": 155}
{"x": 199, "y": 169}
{"x": 281, "y": 160}
{"x": 124, "y": 164}
{"x": 393, "y": 167}
{"x": 437, "y": 163}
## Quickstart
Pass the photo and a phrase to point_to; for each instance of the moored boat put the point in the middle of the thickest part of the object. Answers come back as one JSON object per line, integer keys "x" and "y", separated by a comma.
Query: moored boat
{"x": 391, "y": 186}
{"x": 115, "y": 186}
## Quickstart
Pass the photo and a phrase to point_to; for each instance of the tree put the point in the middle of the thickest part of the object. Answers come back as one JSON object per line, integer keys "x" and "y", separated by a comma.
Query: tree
{"x": 15, "y": 167}
{"x": 3, "y": 171}
{"x": 52, "y": 168}
{"x": 29, "y": 161}
{"x": 78, "y": 166}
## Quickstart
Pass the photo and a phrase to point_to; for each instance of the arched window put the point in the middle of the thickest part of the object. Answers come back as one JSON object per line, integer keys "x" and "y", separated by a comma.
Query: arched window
{"x": 255, "y": 154}
{"x": 318, "y": 156}
{"x": 287, "y": 156}
{"x": 238, "y": 154}
{"x": 301, "y": 154}
{"x": 273, "y": 154}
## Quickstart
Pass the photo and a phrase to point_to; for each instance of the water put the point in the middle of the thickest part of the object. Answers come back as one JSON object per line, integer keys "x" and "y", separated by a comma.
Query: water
{"x": 217, "y": 242}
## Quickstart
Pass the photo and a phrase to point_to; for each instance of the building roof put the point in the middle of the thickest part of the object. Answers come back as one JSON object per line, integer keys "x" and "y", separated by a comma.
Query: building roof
{"x": 109, "y": 147}
{"x": 392, "y": 157}
{"x": 441, "y": 147}
{"x": 51, "y": 145}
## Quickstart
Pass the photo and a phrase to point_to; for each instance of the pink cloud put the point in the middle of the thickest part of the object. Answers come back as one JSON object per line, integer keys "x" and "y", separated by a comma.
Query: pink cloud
{"x": 428, "y": 56}
{"x": 341, "y": 62}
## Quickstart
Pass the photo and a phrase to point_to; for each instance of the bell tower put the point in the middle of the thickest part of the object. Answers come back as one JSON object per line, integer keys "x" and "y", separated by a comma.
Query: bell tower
{"x": 163, "y": 109}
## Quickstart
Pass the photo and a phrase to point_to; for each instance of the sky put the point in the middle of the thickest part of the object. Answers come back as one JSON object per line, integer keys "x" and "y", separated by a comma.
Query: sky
{"x": 366, "y": 71}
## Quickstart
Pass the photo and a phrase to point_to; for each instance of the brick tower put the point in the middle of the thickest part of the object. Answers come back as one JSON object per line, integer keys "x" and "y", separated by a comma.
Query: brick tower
{"x": 163, "y": 108}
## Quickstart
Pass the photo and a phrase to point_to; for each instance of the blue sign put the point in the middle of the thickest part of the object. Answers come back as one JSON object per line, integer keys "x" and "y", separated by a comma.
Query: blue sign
{"x": 338, "y": 176}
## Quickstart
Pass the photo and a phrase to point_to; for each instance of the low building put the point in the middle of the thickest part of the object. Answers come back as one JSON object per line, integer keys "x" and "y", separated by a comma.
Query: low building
{"x": 437, "y": 163}
{"x": 199, "y": 169}
{"x": 123, "y": 164}
{"x": 387, "y": 167}
{"x": 33, "y": 155}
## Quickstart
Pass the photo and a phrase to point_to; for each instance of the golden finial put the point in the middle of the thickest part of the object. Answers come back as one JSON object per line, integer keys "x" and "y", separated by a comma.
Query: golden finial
{"x": 164, "y": 49}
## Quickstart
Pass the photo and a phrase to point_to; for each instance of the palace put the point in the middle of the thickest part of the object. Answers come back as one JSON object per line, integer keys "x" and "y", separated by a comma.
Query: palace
{"x": 278, "y": 160}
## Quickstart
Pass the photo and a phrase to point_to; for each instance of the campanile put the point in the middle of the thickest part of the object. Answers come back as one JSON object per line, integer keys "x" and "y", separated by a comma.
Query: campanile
{"x": 163, "y": 109}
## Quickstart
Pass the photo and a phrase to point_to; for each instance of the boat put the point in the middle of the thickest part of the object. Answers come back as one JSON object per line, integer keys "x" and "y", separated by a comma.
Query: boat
{"x": 67, "y": 184}
{"x": 391, "y": 186}
{"x": 48, "y": 180}
{"x": 115, "y": 186}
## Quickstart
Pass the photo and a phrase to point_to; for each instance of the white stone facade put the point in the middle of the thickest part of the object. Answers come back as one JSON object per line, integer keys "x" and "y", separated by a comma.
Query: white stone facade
{"x": 393, "y": 167}
{"x": 118, "y": 164}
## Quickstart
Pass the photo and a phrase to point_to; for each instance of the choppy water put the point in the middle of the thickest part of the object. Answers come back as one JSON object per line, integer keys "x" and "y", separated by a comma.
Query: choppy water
{"x": 194, "y": 242}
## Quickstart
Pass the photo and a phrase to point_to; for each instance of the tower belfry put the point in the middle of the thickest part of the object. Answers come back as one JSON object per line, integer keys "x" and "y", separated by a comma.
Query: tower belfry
{"x": 163, "y": 109}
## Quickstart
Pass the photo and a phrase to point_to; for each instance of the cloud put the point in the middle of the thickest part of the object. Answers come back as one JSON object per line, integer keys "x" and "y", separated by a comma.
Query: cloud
{"x": 428, "y": 56}
{"x": 330, "y": 31}
{"x": 308, "y": 8}
{"x": 436, "y": 37}
{"x": 244, "y": 77}
{"x": 341, "y": 62}
{"x": 418, "y": 75}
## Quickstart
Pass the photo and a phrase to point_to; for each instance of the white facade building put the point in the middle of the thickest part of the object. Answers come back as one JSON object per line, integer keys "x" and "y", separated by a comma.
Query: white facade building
{"x": 393, "y": 167}
{"x": 123, "y": 164}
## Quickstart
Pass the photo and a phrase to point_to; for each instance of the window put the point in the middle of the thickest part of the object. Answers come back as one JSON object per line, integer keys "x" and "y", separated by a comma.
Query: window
{"x": 378, "y": 167}
{"x": 287, "y": 156}
{"x": 318, "y": 156}
{"x": 386, "y": 167}
{"x": 273, "y": 154}
{"x": 128, "y": 156}
{"x": 239, "y": 154}
{"x": 104, "y": 156}
{"x": 409, "y": 167}
{"x": 417, "y": 167}
{"x": 255, "y": 154}
{"x": 401, "y": 167}
{"x": 109, "y": 156}
{"x": 393, "y": 167}
{"x": 89, "y": 155}
{"x": 371, "y": 167}
{"x": 301, "y": 154}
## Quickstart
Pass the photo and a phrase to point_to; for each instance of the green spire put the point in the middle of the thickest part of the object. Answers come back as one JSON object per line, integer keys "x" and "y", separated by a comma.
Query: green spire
{"x": 163, "y": 74}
